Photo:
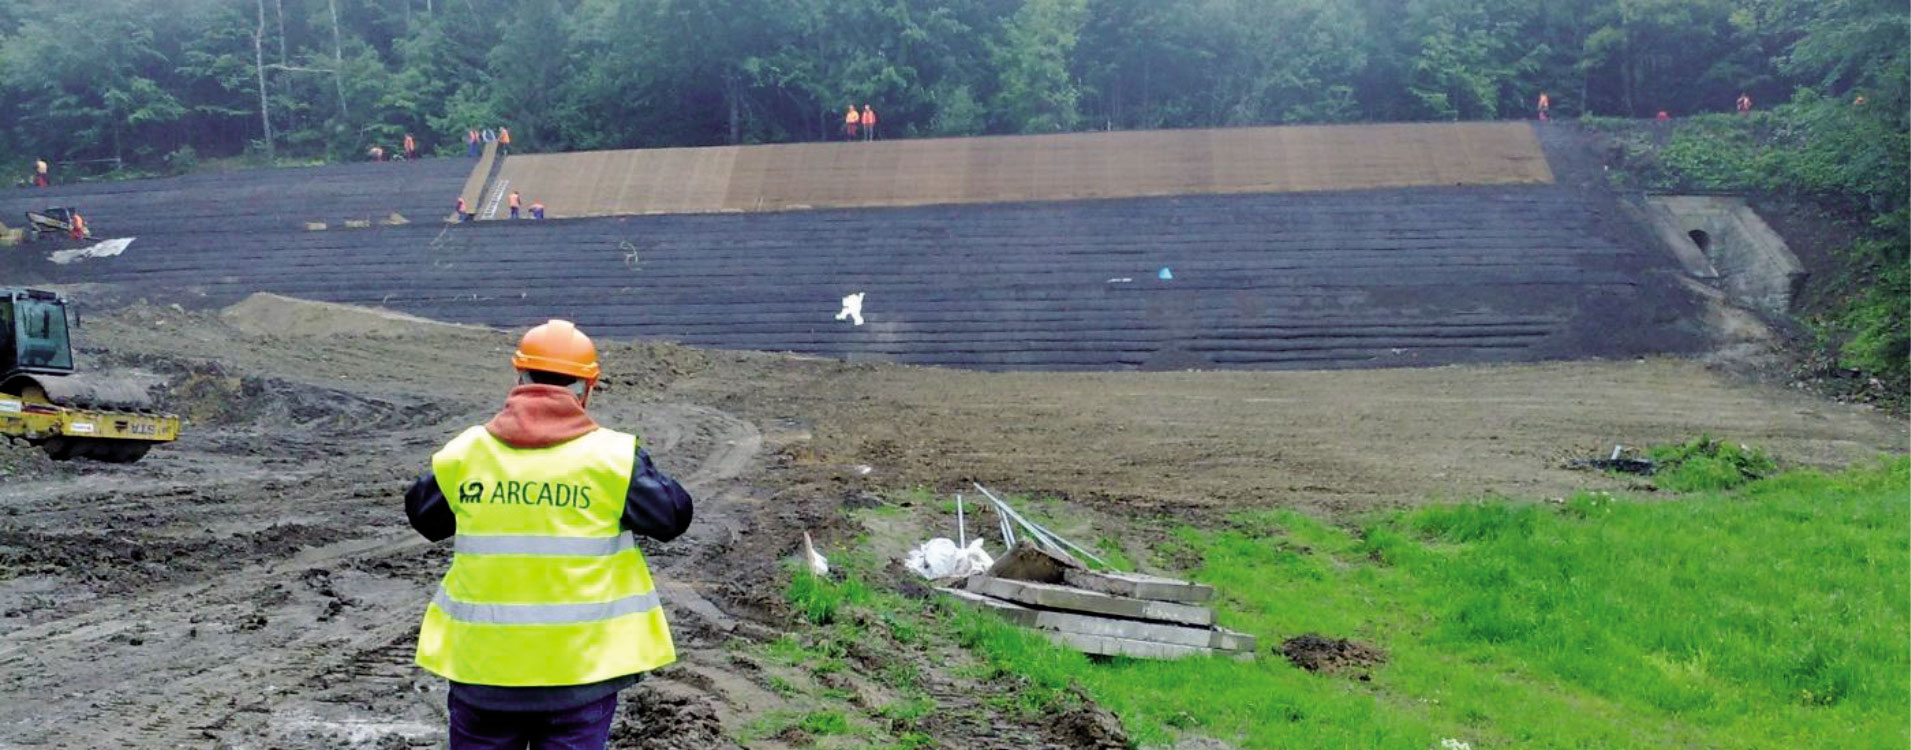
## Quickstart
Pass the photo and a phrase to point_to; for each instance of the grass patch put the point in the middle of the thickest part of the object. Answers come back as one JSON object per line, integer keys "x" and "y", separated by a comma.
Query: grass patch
{"x": 1770, "y": 615}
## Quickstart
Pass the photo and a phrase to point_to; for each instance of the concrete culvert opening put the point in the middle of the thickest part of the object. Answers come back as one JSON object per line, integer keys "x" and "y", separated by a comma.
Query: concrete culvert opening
{"x": 1700, "y": 238}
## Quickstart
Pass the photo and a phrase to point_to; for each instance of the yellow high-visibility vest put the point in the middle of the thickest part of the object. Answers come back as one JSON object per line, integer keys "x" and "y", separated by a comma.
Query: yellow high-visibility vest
{"x": 545, "y": 586}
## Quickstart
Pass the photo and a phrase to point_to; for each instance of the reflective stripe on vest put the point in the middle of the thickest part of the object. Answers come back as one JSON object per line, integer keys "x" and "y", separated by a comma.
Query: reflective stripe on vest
{"x": 545, "y": 586}
{"x": 543, "y": 614}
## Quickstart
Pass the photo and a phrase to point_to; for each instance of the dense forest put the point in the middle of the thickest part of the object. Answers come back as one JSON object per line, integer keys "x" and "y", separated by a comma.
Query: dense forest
{"x": 138, "y": 86}
{"x": 139, "y": 80}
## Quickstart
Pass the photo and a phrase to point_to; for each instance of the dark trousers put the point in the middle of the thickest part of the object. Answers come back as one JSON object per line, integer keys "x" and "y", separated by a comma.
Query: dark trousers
{"x": 514, "y": 212}
{"x": 585, "y": 727}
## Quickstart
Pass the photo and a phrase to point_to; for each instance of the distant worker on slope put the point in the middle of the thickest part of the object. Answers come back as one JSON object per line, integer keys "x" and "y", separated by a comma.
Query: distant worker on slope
{"x": 464, "y": 215}
{"x": 377, "y": 153}
{"x": 39, "y": 172}
{"x": 851, "y": 119}
{"x": 504, "y": 141}
{"x": 77, "y": 227}
{"x": 537, "y": 210}
{"x": 548, "y": 609}
{"x": 869, "y": 123}
{"x": 1744, "y": 103}
{"x": 471, "y": 143}
{"x": 1545, "y": 104}
{"x": 514, "y": 204}
{"x": 411, "y": 148}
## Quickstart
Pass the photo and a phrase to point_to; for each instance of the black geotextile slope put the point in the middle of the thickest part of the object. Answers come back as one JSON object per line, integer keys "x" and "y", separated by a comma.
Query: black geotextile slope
{"x": 253, "y": 201}
{"x": 1367, "y": 278}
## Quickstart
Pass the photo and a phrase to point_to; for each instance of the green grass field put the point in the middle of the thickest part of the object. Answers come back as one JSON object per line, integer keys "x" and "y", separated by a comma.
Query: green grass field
{"x": 1776, "y": 614}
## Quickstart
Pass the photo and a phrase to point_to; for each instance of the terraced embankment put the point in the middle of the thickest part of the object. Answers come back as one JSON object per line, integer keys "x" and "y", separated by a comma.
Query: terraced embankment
{"x": 1351, "y": 278}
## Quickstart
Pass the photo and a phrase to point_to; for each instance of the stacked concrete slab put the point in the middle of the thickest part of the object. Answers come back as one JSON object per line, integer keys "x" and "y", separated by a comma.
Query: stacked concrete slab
{"x": 1112, "y": 614}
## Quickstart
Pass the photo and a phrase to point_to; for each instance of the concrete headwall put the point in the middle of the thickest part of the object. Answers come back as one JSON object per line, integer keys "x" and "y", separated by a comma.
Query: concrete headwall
{"x": 1722, "y": 238}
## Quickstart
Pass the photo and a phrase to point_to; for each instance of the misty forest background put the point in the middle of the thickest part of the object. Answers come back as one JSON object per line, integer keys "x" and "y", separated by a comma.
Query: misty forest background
{"x": 105, "y": 87}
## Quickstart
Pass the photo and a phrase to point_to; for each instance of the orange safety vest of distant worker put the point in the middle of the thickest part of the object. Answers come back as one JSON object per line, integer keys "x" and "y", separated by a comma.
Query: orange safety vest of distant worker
{"x": 410, "y": 145}
{"x": 869, "y": 116}
{"x": 79, "y": 226}
{"x": 1545, "y": 102}
{"x": 504, "y": 136}
{"x": 852, "y": 117}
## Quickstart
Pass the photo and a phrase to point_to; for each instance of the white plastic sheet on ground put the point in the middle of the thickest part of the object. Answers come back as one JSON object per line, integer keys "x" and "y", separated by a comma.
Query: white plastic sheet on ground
{"x": 941, "y": 558}
{"x": 106, "y": 249}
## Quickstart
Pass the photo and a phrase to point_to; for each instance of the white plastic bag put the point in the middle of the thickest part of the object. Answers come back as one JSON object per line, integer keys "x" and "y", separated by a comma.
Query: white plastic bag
{"x": 941, "y": 558}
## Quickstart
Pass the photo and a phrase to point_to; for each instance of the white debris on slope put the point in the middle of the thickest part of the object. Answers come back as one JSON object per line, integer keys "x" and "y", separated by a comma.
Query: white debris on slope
{"x": 940, "y": 558}
{"x": 105, "y": 249}
{"x": 852, "y": 308}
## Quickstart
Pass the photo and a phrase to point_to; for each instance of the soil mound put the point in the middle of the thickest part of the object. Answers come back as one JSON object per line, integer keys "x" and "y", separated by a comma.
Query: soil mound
{"x": 265, "y": 314}
{"x": 1318, "y": 653}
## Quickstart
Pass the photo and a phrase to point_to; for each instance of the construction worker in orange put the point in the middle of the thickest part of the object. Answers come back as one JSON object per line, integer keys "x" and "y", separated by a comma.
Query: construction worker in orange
{"x": 1663, "y": 116}
{"x": 1545, "y": 104}
{"x": 1744, "y": 103}
{"x": 514, "y": 204}
{"x": 851, "y": 119}
{"x": 39, "y": 173}
{"x": 869, "y": 123}
{"x": 537, "y": 210}
{"x": 78, "y": 226}
{"x": 548, "y": 609}
{"x": 504, "y": 141}
{"x": 411, "y": 148}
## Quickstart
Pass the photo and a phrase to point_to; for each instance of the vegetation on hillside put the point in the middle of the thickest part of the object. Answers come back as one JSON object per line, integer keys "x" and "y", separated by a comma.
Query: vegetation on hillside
{"x": 141, "y": 79}
{"x": 1849, "y": 160}
{"x": 1771, "y": 614}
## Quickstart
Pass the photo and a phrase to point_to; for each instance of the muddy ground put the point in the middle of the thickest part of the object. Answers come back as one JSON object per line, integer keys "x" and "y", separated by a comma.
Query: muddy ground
{"x": 256, "y": 585}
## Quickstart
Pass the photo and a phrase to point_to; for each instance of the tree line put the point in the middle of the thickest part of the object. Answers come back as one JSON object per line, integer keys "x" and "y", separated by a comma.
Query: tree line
{"x": 148, "y": 81}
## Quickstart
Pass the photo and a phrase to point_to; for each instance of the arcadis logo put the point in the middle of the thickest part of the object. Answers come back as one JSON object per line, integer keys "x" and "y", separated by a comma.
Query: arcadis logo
{"x": 546, "y": 494}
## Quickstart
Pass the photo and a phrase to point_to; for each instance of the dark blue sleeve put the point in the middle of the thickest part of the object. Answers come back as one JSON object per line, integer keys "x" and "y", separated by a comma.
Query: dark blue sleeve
{"x": 428, "y": 510}
{"x": 656, "y": 506}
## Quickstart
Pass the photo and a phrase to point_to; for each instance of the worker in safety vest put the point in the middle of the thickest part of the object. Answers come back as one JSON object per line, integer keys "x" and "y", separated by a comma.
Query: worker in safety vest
{"x": 411, "y": 148}
{"x": 548, "y": 609}
{"x": 504, "y": 141}
{"x": 77, "y": 228}
{"x": 1744, "y": 103}
{"x": 851, "y": 119}
{"x": 39, "y": 173}
{"x": 1545, "y": 105}
{"x": 869, "y": 123}
{"x": 515, "y": 204}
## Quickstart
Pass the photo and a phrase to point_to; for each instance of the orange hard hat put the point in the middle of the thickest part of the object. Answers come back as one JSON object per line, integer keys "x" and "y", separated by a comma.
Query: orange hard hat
{"x": 558, "y": 347}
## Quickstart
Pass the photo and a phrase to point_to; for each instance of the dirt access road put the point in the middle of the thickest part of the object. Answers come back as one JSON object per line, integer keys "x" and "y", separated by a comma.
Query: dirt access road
{"x": 256, "y": 585}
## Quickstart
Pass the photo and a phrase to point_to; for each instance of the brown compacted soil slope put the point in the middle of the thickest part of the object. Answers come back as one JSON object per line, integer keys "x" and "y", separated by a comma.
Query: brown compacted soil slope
{"x": 1073, "y": 166}
{"x": 256, "y": 585}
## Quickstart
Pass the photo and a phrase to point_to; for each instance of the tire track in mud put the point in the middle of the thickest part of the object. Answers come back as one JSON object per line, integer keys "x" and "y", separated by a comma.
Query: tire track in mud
{"x": 313, "y": 648}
